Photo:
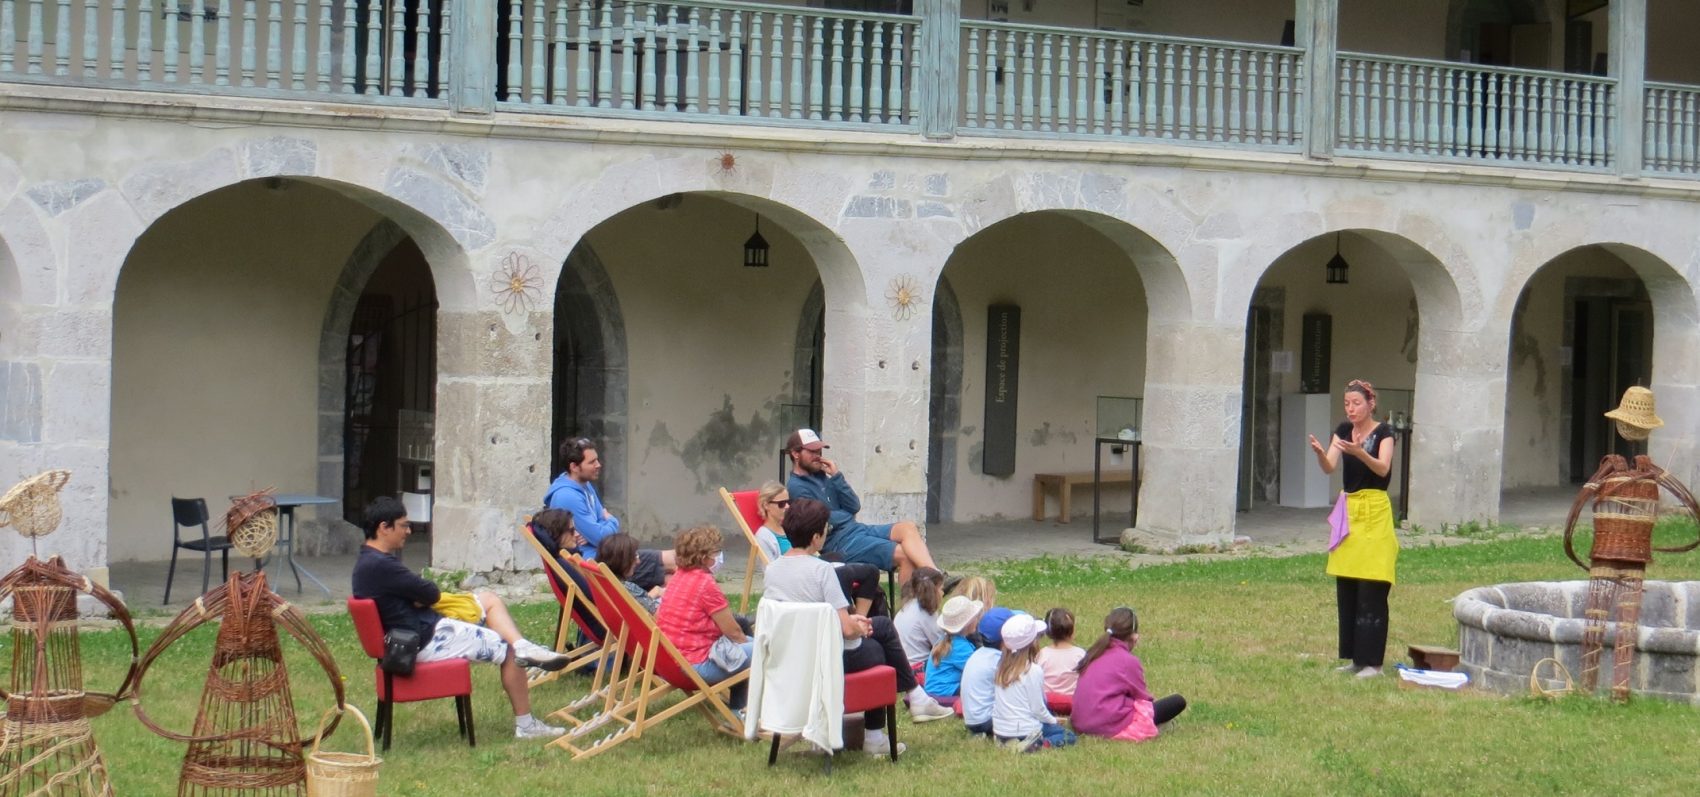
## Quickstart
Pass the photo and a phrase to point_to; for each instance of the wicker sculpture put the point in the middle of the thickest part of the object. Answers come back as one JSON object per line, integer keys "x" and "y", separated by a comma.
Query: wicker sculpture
{"x": 46, "y": 744}
{"x": 245, "y": 736}
{"x": 47, "y": 747}
{"x": 1626, "y": 503}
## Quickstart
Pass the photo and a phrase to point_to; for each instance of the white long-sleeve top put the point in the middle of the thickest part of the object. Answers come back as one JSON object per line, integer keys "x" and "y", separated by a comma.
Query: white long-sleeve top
{"x": 797, "y": 673}
{"x": 1019, "y": 709}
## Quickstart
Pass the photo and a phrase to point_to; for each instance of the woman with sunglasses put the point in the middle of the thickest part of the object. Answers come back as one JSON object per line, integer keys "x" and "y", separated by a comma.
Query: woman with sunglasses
{"x": 860, "y": 582}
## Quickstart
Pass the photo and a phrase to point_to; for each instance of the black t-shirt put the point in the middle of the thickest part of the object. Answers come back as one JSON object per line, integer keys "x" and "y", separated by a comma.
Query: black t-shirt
{"x": 404, "y": 598}
{"x": 1356, "y": 475}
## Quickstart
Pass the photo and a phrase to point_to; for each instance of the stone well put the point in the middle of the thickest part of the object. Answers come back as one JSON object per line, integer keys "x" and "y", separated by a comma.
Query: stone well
{"x": 1505, "y": 629}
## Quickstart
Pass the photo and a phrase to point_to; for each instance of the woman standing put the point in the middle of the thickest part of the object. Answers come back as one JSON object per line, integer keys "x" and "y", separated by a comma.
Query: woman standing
{"x": 1362, "y": 560}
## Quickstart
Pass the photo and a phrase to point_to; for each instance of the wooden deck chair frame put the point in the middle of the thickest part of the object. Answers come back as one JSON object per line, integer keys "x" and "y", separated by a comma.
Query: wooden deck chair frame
{"x": 581, "y": 656}
{"x": 757, "y": 555}
{"x": 654, "y": 669}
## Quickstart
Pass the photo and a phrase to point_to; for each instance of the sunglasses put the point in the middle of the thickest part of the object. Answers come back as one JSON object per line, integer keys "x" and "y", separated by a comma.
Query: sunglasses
{"x": 781, "y": 504}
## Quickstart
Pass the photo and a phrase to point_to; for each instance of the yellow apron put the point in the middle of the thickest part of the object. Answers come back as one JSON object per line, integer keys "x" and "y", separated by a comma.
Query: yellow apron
{"x": 462, "y": 606}
{"x": 1370, "y": 549}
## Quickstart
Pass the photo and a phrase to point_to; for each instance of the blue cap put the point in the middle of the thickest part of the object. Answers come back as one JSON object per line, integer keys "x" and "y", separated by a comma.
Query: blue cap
{"x": 991, "y": 624}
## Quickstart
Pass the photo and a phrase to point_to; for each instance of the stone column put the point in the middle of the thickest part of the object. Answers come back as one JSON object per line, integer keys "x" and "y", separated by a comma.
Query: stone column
{"x": 492, "y": 435}
{"x": 941, "y": 43}
{"x": 1626, "y": 62}
{"x": 1458, "y": 427}
{"x": 1189, "y": 454}
{"x": 1317, "y": 30}
{"x": 1676, "y": 378}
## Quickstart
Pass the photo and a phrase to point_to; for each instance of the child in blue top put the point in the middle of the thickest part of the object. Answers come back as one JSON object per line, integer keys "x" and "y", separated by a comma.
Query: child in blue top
{"x": 944, "y": 667}
{"x": 978, "y": 685}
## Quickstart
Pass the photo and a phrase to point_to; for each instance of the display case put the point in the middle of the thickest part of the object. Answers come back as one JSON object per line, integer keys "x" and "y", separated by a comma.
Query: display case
{"x": 1119, "y": 417}
{"x": 1117, "y": 430}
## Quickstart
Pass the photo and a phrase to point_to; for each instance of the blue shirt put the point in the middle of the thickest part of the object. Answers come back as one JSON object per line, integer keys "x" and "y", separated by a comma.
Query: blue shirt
{"x": 979, "y": 685}
{"x": 833, "y": 491}
{"x": 586, "y": 506}
{"x": 944, "y": 677}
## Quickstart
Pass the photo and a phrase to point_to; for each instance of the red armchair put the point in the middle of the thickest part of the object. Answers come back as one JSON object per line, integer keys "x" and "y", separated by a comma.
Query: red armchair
{"x": 429, "y": 681}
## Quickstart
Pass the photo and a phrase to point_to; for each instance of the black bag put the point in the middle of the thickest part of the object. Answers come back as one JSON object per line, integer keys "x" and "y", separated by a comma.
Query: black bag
{"x": 401, "y": 647}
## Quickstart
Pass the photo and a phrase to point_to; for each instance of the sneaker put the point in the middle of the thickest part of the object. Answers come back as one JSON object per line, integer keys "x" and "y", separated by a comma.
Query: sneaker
{"x": 530, "y": 654}
{"x": 882, "y": 747}
{"x": 928, "y": 710}
{"x": 536, "y": 729}
{"x": 1369, "y": 672}
{"x": 1347, "y": 667}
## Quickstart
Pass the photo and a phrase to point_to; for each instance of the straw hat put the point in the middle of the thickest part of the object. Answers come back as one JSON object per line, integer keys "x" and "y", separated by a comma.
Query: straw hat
{"x": 32, "y": 505}
{"x": 1634, "y": 414}
{"x": 958, "y": 612}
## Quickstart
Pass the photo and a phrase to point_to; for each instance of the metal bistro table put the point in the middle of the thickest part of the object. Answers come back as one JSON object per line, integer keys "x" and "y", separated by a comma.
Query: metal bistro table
{"x": 286, "y": 504}
{"x": 1098, "y": 444}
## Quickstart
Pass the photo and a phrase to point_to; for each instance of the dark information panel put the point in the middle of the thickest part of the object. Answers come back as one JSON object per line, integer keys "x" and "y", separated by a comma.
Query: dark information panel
{"x": 1003, "y": 369}
{"x": 1315, "y": 349}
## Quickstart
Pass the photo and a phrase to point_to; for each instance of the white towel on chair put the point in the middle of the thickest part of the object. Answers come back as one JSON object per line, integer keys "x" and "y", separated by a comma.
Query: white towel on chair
{"x": 797, "y": 675}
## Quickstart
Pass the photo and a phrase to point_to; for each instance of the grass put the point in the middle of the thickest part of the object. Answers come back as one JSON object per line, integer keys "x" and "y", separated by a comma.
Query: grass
{"x": 1249, "y": 641}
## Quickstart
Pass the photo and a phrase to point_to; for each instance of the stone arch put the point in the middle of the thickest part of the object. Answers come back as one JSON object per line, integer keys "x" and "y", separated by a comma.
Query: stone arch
{"x": 588, "y": 319}
{"x": 944, "y": 413}
{"x": 807, "y": 369}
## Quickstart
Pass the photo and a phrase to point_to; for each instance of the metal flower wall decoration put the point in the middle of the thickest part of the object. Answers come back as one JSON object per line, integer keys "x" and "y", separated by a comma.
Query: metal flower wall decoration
{"x": 516, "y": 283}
{"x": 904, "y": 294}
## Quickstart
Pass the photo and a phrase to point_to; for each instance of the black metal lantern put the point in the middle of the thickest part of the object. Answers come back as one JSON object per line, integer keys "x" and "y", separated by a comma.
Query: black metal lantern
{"x": 1337, "y": 265}
{"x": 755, "y": 249}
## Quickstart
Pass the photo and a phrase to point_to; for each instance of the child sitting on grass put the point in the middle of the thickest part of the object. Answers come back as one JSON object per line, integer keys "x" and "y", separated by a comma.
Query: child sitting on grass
{"x": 979, "y": 674}
{"x": 1020, "y": 720}
{"x": 944, "y": 667}
{"x": 917, "y": 622}
{"x": 1111, "y": 699}
{"x": 1059, "y": 661}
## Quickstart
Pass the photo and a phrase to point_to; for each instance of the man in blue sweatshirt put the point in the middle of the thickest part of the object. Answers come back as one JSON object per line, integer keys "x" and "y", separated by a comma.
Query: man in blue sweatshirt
{"x": 574, "y": 492}
{"x": 897, "y": 546}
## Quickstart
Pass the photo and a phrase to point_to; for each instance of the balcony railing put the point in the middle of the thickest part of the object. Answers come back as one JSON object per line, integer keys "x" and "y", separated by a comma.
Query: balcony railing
{"x": 708, "y": 59}
{"x": 1056, "y": 80}
{"x": 1672, "y": 129}
{"x": 390, "y": 49}
{"x": 932, "y": 74}
{"x": 1409, "y": 107}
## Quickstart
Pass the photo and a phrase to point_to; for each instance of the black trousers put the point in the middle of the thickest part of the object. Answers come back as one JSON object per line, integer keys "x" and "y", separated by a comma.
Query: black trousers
{"x": 862, "y": 582}
{"x": 881, "y": 647}
{"x": 1164, "y": 709}
{"x": 1363, "y": 620}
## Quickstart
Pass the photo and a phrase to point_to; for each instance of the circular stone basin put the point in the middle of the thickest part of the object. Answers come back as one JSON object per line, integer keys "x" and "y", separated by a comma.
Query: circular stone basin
{"x": 1506, "y": 629}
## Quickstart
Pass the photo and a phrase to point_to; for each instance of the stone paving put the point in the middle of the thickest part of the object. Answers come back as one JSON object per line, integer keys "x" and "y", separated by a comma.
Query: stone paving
{"x": 1276, "y": 530}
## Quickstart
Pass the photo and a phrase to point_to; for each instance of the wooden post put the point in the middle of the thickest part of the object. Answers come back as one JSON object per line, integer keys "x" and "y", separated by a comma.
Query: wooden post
{"x": 1317, "y": 30}
{"x": 1626, "y": 62}
{"x": 941, "y": 40}
{"x": 472, "y": 63}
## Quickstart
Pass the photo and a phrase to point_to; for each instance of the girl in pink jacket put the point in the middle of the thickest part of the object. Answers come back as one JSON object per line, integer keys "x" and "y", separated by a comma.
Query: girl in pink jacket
{"x": 1110, "y": 699}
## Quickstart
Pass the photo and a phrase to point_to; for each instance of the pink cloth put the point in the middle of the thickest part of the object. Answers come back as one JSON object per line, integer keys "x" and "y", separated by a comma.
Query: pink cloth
{"x": 1337, "y": 524}
{"x": 686, "y": 616}
{"x": 1141, "y": 726}
{"x": 1058, "y": 664}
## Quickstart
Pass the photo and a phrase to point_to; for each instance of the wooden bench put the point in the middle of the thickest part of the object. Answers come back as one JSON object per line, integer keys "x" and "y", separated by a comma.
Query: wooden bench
{"x": 1063, "y": 483}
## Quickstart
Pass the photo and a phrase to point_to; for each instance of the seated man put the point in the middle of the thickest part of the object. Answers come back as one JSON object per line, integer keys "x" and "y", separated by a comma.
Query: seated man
{"x": 801, "y": 576}
{"x": 573, "y": 492}
{"x": 404, "y": 599}
{"x": 891, "y": 546}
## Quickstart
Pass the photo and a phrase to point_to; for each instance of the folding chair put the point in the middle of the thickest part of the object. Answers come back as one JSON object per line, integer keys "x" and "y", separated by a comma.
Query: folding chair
{"x": 655, "y": 668}
{"x": 747, "y": 515}
{"x": 576, "y": 609}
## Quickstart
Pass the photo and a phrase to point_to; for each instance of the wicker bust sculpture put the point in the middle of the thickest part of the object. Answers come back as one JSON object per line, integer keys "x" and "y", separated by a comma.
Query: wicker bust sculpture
{"x": 1626, "y": 501}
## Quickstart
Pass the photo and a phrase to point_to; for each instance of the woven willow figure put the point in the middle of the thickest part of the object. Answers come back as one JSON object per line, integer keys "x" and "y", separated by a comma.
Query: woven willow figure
{"x": 245, "y": 738}
{"x": 1626, "y": 506}
{"x": 46, "y": 745}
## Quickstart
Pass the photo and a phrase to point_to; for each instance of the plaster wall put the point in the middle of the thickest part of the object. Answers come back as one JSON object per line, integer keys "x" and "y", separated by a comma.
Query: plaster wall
{"x": 215, "y": 353}
{"x": 711, "y": 346}
{"x": 1083, "y": 320}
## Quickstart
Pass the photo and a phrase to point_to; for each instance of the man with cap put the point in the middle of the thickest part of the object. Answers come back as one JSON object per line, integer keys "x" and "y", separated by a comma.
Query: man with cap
{"x": 890, "y": 546}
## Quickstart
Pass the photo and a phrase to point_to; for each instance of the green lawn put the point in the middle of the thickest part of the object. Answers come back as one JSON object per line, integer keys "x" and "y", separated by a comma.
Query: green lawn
{"x": 1249, "y": 641}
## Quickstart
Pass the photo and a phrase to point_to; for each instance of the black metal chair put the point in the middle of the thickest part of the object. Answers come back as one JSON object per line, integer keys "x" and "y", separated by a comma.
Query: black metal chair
{"x": 193, "y": 512}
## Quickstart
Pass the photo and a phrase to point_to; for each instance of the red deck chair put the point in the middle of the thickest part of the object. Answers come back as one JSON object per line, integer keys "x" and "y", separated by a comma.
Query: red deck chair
{"x": 654, "y": 668}
{"x": 430, "y": 680}
{"x": 747, "y": 516}
{"x": 576, "y": 609}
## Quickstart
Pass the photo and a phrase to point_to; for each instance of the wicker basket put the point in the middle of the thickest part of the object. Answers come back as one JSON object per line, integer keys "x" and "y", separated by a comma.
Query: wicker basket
{"x": 343, "y": 774}
{"x": 1623, "y": 519}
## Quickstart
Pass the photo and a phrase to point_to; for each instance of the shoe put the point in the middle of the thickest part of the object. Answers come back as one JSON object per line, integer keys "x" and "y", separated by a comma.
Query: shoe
{"x": 1369, "y": 672}
{"x": 929, "y": 710}
{"x": 951, "y": 580}
{"x": 530, "y": 654}
{"x": 1347, "y": 667}
{"x": 537, "y": 729}
{"x": 882, "y": 747}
